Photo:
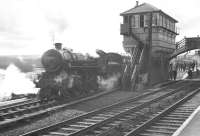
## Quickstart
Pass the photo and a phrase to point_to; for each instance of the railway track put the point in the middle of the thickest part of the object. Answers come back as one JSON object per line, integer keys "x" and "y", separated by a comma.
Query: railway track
{"x": 14, "y": 102}
{"x": 24, "y": 112}
{"x": 166, "y": 121}
{"x": 98, "y": 122}
{"x": 12, "y": 114}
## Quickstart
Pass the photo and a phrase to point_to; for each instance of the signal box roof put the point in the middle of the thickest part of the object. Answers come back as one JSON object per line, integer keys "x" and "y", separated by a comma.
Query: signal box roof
{"x": 144, "y": 8}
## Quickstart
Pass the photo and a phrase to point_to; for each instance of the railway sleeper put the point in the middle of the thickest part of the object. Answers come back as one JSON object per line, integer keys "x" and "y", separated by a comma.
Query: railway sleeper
{"x": 70, "y": 129}
{"x": 48, "y": 135}
{"x": 110, "y": 125}
{"x": 177, "y": 116}
{"x": 86, "y": 123}
{"x": 182, "y": 111}
{"x": 188, "y": 106}
{"x": 133, "y": 115}
{"x": 185, "y": 110}
{"x": 111, "y": 113}
{"x": 59, "y": 134}
{"x": 125, "y": 109}
{"x": 134, "y": 103}
{"x": 92, "y": 133}
{"x": 20, "y": 109}
{"x": 83, "y": 124}
{"x": 105, "y": 115}
{"x": 159, "y": 131}
{"x": 149, "y": 134}
{"x": 171, "y": 121}
{"x": 127, "y": 117}
{"x": 99, "y": 117}
{"x": 167, "y": 124}
{"x": 92, "y": 120}
{"x": 118, "y": 111}
{"x": 164, "y": 127}
{"x": 78, "y": 126}
{"x": 64, "y": 131}
{"x": 122, "y": 119}
{"x": 173, "y": 118}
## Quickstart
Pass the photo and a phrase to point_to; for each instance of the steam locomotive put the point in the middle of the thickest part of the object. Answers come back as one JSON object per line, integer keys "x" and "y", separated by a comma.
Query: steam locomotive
{"x": 68, "y": 74}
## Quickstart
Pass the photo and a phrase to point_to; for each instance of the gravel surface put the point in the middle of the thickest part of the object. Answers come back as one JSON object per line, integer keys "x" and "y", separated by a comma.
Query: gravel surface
{"x": 71, "y": 112}
{"x": 103, "y": 101}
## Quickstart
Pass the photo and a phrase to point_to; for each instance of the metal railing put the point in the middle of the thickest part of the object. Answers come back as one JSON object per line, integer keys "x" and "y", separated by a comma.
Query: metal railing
{"x": 181, "y": 44}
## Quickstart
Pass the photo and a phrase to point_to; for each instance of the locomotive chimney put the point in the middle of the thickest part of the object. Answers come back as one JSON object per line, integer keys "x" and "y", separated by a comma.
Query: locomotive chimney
{"x": 58, "y": 46}
{"x": 137, "y": 3}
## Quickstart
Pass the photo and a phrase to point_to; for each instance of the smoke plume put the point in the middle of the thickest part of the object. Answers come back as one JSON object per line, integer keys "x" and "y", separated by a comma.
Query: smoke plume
{"x": 14, "y": 81}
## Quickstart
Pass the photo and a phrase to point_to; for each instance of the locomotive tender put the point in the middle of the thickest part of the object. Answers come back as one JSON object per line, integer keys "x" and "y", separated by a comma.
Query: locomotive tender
{"x": 68, "y": 74}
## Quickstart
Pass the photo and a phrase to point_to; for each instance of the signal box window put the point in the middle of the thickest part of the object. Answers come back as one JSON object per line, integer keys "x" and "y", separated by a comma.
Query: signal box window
{"x": 155, "y": 19}
{"x": 133, "y": 21}
{"x": 141, "y": 20}
{"x": 125, "y": 19}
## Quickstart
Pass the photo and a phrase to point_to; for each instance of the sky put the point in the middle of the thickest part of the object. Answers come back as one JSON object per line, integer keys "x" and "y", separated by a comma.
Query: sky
{"x": 29, "y": 27}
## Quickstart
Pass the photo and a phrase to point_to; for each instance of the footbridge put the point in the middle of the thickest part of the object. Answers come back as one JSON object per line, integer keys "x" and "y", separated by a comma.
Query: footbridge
{"x": 186, "y": 44}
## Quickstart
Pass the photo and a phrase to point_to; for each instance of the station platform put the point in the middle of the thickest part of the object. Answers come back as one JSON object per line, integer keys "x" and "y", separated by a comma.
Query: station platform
{"x": 191, "y": 127}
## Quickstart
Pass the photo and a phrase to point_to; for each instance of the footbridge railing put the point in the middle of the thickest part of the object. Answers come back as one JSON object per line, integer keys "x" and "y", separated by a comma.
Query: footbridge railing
{"x": 185, "y": 45}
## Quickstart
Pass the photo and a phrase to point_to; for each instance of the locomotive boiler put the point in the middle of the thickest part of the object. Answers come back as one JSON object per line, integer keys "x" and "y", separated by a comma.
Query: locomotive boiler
{"x": 68, "y": 74}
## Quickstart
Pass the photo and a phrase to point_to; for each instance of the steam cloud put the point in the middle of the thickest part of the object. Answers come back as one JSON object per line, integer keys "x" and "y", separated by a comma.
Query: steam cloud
{"x": 14, "y": 81}
{"x": 58, "y": 25}
{"x": 109, "y": 83}
{"x": 64, "y": 76}
{"x": 104, "y": 84}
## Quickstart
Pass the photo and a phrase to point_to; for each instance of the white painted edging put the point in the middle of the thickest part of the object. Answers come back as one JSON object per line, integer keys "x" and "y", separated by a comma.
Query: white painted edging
{"x": 180, "y": 129}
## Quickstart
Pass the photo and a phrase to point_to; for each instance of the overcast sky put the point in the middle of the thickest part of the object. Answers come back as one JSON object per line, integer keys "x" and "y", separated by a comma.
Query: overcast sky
{"x": 28, "y": 26}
